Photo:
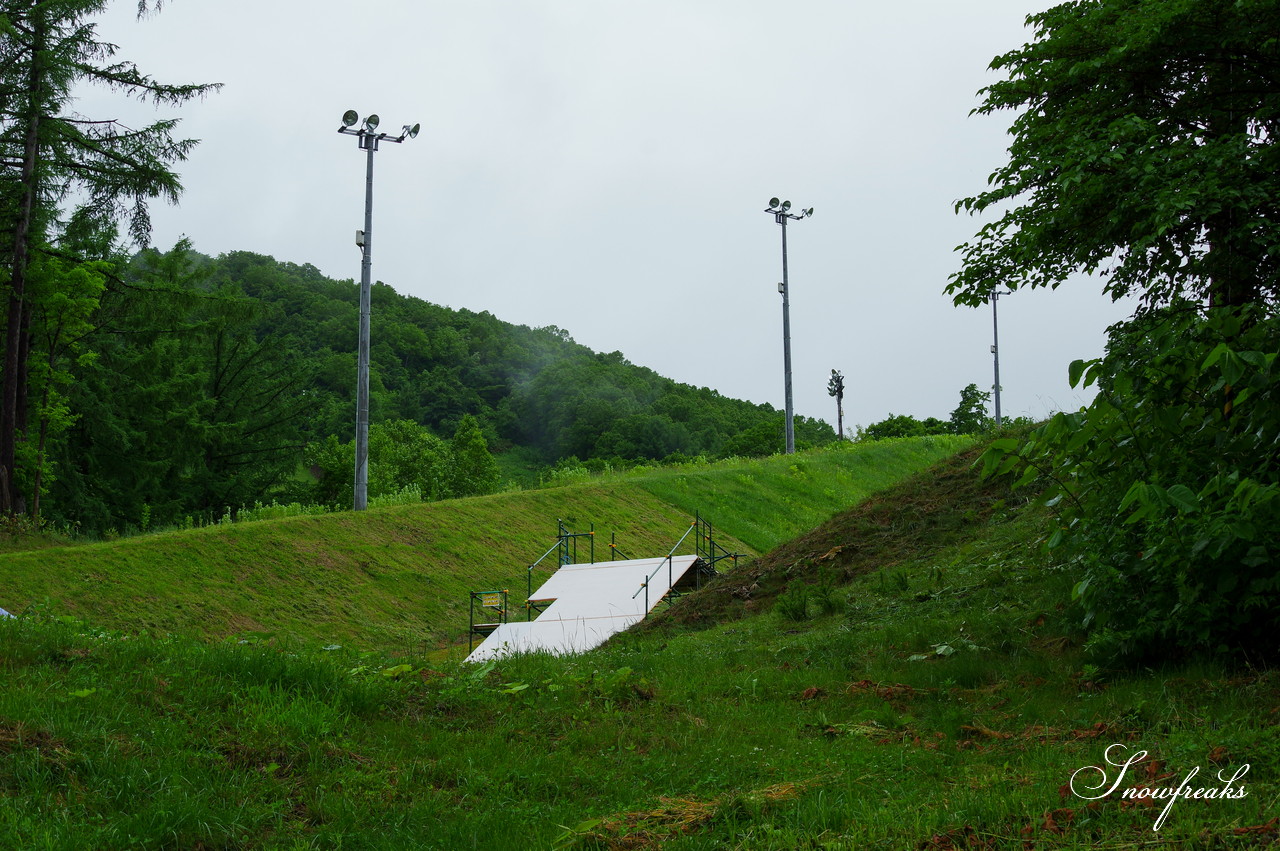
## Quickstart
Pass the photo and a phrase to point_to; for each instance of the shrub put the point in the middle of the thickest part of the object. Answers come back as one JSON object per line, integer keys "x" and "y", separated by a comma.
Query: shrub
{"x": 1168, "y": 484}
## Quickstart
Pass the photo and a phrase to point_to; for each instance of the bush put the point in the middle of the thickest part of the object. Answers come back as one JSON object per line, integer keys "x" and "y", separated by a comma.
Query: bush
{"x": 1168, "y": 484}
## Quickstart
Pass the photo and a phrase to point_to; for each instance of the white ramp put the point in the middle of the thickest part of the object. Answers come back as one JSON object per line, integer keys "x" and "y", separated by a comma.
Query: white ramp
{"x": 591, "y": 603}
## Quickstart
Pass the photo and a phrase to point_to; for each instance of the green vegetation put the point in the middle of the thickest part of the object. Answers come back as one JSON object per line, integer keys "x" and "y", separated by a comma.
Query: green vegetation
{"x": 48, "y": 152}
{"x": 192, "y": 385}
{"x": 398, "y": 576}
{"x": 969, "y": 418}
{"x": 766, "y": 501}
{"x": 1144, "y": 150}
{"x": 394, "y": 577}
{"x": 933, "y": 668}
{"x": 927, "y": 697}
{"x": 1167, "y": 486}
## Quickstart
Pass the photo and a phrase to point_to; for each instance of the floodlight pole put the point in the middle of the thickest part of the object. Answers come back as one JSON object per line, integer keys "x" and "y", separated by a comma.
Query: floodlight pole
{"x": 368, "y": 140}
{"x": 781, "y": 213}
{"x": 995, "y": 348}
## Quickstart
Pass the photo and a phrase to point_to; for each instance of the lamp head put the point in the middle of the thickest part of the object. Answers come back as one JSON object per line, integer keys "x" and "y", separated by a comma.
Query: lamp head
{"x": 412, "y": 132}
{"x": 349, "y": 118}
{"x": 371, "y": 123}
{"x": 773, "y": 203}
{"x": 786, "y": 205}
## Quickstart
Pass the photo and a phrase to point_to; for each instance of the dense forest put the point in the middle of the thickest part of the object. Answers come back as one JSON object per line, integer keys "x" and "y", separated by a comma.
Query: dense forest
{"x": 171, "y": 386}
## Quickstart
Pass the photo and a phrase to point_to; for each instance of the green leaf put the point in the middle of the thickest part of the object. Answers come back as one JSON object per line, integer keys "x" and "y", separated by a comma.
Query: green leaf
{"x": 1215, "y": 355}
{"x": 1183, "y": 498}
{"x": 1076, "y": 369}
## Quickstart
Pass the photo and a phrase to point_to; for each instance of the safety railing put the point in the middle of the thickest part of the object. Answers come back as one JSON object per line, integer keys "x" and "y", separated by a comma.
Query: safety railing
{"x": 644, "y": 586}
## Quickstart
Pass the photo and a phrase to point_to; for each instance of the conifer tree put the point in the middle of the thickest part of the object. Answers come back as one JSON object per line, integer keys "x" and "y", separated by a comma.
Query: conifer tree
{"x": 47, "y": 152}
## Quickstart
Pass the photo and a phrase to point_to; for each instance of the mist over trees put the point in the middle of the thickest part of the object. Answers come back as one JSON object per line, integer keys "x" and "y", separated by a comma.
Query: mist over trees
{"x": 190, "y": 386}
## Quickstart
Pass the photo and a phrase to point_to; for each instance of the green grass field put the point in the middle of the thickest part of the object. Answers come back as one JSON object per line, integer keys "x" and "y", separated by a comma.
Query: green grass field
{"x": 906, "y": 675}
{"x": 398, "y": 578}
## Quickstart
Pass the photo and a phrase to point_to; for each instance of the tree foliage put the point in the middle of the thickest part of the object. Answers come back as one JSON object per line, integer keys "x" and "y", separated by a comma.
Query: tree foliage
{"x": 181, "y": 408}
{"x": 528, "y": 387}
{"x": 1144, "y": 149}
{"x": 970, "y": 416}
{"x": 47, "y": 153}
{"x": 1146, "y": 152}
{"x": 1167, "y": 487}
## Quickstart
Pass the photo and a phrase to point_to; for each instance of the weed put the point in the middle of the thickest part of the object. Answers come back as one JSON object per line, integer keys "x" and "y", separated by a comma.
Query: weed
{"x": 793, "y": 604}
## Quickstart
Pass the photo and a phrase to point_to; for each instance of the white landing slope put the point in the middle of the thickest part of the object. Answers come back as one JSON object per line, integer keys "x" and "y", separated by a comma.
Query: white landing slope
{"x": 592, "y": 602}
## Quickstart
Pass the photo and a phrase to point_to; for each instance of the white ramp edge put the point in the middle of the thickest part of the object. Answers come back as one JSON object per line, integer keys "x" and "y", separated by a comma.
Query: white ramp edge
{"x": 592, "y": 603}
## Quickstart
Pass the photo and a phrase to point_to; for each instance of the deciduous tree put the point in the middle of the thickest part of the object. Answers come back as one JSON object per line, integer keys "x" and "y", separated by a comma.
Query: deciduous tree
{"x": 1144, "y": 150}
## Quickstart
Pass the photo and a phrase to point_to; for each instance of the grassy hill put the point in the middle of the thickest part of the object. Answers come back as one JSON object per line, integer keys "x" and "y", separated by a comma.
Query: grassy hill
{"x": 398, "y": 577}
{"x": 908, "y": 675}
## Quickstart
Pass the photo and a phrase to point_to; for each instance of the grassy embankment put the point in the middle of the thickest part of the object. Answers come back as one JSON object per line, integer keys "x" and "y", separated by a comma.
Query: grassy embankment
{"x": 398, "y": 577}
{"x": 905, "y": 676}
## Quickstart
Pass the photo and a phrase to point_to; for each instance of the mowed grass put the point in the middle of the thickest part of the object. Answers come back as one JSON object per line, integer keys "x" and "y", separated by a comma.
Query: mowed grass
{"x": 941, "y": 702}
{"x": 398, "y": 577}
{"x": 390, "y": 578}
{"x": 766, "y": 501}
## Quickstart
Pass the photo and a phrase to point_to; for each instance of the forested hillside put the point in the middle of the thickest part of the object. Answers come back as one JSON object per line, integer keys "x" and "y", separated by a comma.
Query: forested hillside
{"x": 532, "y": 387}
{"x": 177, "y": 386}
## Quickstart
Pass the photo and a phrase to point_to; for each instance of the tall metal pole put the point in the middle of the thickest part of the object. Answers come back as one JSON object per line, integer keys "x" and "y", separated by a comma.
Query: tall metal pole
{"x": 370, "y": 144}
{"x": 368, "y": 139}
{"x": 786, "y": 341}
{"x": 781, "y": 214}
{"x": 995, "y": 349}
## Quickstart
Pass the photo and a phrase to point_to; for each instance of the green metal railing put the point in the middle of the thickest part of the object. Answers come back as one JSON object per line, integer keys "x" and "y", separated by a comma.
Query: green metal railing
{"x": 644, "y": 586}
{"x": 566, "y": 547}
{"x": 706, "y": 547}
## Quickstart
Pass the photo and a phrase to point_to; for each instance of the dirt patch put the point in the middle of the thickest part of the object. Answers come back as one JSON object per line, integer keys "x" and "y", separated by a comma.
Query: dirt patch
{"x": 15, "y": 736}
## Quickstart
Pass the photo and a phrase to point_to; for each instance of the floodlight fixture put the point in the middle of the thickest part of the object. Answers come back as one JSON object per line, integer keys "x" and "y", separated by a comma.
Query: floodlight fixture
{"x": 350, "y": 117}
{"x": 371, "y": 123}
{"x": 786, "y": 205}
{"x": 773, "y": 203}
{"x": 412, "y": 132}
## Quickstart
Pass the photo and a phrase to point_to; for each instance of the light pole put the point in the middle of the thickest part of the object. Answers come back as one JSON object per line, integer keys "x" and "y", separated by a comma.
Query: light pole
{"x": 368, "y": 137}
{"x": 781, "y": 213}
{"x": 995, "y": 347}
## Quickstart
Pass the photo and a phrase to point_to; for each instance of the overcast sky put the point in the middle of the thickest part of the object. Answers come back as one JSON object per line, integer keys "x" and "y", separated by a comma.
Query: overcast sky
{"x": 604, "y": 166}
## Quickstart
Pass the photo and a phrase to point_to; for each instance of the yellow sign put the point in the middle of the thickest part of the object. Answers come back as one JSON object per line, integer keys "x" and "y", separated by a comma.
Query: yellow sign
{"x": 493, "y": 600}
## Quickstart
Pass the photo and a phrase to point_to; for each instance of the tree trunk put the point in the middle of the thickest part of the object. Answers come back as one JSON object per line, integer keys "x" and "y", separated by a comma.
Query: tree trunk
{"x": 15, "y": 373}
